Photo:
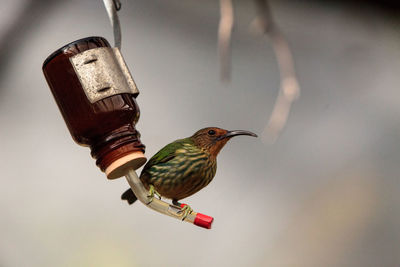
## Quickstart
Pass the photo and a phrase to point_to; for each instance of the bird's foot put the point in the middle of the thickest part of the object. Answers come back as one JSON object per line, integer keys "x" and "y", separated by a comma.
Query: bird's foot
{"x": 185, "y": 210}
{"x": 152, "y": 192}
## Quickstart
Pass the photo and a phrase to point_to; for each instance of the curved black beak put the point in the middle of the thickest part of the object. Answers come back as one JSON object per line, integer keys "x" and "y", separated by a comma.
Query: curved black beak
{"x": 236, "y": 133}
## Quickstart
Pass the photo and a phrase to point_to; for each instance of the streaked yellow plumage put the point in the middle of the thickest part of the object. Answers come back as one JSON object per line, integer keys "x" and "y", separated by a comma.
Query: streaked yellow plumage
{"x": 185, "y": 166}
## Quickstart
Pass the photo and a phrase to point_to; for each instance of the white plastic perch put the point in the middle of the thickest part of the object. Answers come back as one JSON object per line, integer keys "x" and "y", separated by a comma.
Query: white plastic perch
{"x": 163, "y": 207}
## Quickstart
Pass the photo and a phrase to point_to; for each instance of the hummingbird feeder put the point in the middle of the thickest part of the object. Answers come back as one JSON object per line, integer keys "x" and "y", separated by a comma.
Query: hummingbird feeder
{"x": 96, "y": 95}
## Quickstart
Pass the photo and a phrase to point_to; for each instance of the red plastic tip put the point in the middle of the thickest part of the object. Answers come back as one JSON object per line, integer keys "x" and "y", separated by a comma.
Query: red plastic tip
{"x": 204, "y": 221}
{"x": 201, "y": 220}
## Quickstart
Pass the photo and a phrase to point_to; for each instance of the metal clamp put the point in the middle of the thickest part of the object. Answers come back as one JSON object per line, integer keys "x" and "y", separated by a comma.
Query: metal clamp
{"x": 103, "y": 73}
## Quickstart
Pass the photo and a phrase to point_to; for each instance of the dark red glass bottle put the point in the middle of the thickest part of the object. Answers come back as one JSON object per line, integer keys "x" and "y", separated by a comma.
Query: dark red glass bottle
{"x": 107, "y": 126}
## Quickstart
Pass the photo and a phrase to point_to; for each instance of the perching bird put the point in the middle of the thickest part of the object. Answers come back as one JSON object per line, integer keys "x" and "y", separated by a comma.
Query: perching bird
{"x": 184, "y": 166}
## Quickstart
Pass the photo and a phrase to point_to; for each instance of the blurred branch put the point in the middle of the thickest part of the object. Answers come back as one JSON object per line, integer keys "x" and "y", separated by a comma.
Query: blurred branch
{"x": 224, "y": 39}
{"x": 289, "y": 87}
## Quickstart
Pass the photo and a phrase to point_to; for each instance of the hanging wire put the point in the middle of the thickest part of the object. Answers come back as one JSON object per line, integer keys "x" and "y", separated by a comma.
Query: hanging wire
{"x": 112, "y": 6}
{"x": 289, "y": 87}
{"x": 224, "y": 39}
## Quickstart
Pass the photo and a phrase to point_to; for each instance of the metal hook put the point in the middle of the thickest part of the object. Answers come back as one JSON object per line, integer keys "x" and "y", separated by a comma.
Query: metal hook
{"x": 117, "y": 5}
{"x": 112, "y": 6}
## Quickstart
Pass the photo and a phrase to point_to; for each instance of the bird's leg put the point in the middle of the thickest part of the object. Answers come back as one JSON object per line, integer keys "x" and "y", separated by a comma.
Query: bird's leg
{"x": 186, "y": 209}
{"x": 176, "y": 202}
{"x": 153, "y": 192}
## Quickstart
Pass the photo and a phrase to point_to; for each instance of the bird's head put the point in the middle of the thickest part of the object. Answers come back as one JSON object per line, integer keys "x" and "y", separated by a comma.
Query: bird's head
{"x": 213, "y": 139}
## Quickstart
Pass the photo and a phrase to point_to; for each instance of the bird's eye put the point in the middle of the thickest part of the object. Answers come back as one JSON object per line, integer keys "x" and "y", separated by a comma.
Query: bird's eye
{"x": 211, "y": 132}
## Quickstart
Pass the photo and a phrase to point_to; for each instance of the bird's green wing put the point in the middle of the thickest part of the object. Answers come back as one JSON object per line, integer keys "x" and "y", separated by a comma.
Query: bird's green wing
{"x": 166, "y": 154}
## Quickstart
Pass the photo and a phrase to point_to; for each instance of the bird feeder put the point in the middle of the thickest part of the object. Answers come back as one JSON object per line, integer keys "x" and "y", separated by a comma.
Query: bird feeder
{"x": 96, "y": 95}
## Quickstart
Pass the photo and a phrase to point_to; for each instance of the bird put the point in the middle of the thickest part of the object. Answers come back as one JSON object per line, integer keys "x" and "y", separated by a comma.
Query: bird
{"x": 185, "y": 166}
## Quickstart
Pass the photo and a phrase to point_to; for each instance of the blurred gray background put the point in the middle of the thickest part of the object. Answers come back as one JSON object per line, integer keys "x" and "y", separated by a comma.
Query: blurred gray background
{"x": 327, "y": 193}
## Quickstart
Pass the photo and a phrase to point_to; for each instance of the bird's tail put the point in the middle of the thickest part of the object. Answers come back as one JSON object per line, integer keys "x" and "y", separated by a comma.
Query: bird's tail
{"x": 129, "y": 196}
